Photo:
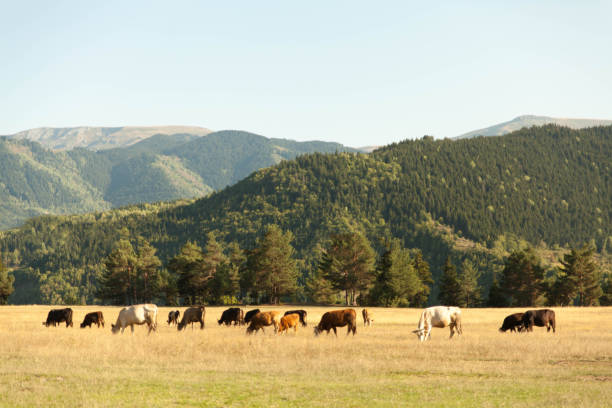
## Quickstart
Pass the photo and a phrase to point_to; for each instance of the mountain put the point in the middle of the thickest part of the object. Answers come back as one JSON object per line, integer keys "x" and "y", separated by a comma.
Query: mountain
{"x": 531, "y": 120}
{"x": 474, "y": 199}
{"x": 35, "y": 180}
{"x": 100, "y": 138}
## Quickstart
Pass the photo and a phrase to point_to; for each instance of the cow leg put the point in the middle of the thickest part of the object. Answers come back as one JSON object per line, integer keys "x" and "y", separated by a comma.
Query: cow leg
{"x": 132, "y": 327}
{"x": 201, "y": 324}
{"x": 335, "y": 332}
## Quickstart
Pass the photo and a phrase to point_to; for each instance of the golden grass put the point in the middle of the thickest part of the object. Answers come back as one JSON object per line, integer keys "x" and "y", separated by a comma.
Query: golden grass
{"x": 383, "y": 365}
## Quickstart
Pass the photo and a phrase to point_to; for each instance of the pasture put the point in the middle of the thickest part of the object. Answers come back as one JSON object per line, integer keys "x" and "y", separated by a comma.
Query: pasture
{"x": 383, "y": 365}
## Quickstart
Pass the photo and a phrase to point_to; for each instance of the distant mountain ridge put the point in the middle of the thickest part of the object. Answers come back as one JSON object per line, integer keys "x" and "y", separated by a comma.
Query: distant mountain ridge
{"x": 101, "y": 138}
{"x": 533, "y": 120}
{"x": 35, "y": 180}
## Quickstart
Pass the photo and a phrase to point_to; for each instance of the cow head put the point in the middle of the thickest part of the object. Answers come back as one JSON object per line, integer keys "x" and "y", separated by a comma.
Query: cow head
{"x": 420, "y": 333}
{"x": 114, "y": 328}
{"x": 249, "y": 330}
{"x": 317, "y": 330}
{"x": 180, "y": 326}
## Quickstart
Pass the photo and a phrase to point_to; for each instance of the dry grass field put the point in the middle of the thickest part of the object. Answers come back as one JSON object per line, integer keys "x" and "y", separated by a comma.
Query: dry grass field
{"x": 383, "y": 365}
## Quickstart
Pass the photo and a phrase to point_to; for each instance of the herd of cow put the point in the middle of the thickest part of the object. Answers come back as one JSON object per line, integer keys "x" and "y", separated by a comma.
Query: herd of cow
{"x": 436, "y": 316}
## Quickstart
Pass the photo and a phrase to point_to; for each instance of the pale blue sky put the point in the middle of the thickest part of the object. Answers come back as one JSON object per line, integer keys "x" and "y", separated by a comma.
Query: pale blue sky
{"x": 359, "y": 73}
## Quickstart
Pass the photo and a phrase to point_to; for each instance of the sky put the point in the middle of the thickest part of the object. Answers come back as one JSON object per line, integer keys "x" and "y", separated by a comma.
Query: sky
{"x": 356, "y": 72}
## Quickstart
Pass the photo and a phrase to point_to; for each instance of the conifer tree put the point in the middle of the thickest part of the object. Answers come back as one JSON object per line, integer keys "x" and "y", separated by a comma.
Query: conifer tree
{"x": 422, "y": 268}
{"x": 274, "y": 268}
{"x": 450, "y": 291}
{"x": 118, "y": 282}
{"x": 468, "y": 284}
{"x": 580, "y": 277}
{"x": 348, "y": 263}
{"x": 147, "y": 265}
{"x": 523, "y": 277}
{"x": 6, "y": 284}
{"x": 188, "y": 265}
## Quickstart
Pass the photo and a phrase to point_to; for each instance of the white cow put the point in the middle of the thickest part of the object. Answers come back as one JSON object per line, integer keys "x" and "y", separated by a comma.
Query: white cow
{"x": 439, "y": 316}
{"x": 137, "y": 314}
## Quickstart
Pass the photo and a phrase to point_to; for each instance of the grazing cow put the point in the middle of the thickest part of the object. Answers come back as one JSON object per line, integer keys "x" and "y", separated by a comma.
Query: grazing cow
{"x": 288, "y": 321}
{"x": 232, "y": 315}
{"x": 540, "y": 318}
{"x": 262, "y": 319}
{"x": 173, "y": 317}
{"x": 137, "y": 314}
{"x": 337, "y": 318}
{"x": 301, "y": 313}
{"x": 512, "y": 322}
{"x": 249, "y": 315}
{"x": 439, "y": 316}
{"x": 93, "y": 318}
{"x": 367, "y": 317}
{"x": 56, "y": 316}
{"x": 192, "y": 315}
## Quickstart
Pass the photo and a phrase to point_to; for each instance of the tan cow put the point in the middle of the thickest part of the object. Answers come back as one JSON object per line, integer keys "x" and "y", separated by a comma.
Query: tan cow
{"x": 288, "y": 321}
{"x": 367, "y": 317}
{"x": 137, "y": 314}
{"x": 262, "y": 319}
{"x": 192, "y": 315}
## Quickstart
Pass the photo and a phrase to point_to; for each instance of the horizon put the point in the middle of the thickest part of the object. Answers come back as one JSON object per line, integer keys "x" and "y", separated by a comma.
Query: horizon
{"x": 366, "y": 75}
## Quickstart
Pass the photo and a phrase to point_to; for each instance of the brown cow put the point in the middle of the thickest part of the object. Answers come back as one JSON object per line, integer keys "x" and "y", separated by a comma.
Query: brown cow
{"x": 367, "y": 317}
{"x": 302, "y": 313}
{"x": 541, "y": 318}
{"x": 192, "y": 315}
{"x": 262, "y": 319}
{"x": 93, "y": 318}
{"x": 337, "y": 318}
{"x": 288, "y": 321}
{"x": 173, "y": 317}
{"x": 232, "y": 315}
{"x": 512, "y": 322}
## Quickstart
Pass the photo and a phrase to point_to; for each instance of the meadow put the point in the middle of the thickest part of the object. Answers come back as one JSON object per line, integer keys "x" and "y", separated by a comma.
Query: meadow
{"x": 384, "y": 365}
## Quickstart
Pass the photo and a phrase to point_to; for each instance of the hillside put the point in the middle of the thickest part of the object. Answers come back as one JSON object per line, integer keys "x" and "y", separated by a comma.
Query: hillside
{"x": 474, "y": 198}
{"x": 532, "y": 120}
{"x": 100, "y": 138}
{"x": 35, "y": 180}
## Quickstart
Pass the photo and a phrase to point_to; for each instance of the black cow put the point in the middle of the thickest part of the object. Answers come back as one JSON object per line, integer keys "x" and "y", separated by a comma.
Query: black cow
{"x": 512, "y": 322}
{"x": 302, "y": 314}
{"x": 56, "y": 316}
{"x": 232, "y": 315}
{"x": 249, "y": 315}
{"x": 540, "y": 318}
{"x": 173, "y": 317}
{"x": 93, "y": 318}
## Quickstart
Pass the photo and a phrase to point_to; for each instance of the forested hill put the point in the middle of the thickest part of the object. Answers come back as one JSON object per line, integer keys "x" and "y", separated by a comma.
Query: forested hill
{"x": 547, "y": 184}
{"x": 35, "y": 180}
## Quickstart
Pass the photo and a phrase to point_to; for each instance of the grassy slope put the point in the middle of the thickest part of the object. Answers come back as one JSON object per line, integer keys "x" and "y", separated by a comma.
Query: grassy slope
{"x": 382, "y": 366}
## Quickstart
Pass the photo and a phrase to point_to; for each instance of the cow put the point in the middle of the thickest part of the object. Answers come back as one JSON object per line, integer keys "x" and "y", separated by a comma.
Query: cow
{"x": 192, "y": 315}
{"x": 367, "y": 317}
{"x": 173, "y": 317}
{"x": 56, "y": 316}
{"x": 249, "y": 315}
{"x": 301, "y": 313}
{"x": 337, "y": 318}
{"x": 93, "y": 318}
{"x": 137, "y": 314}
{"x": 439, "y": 316}
{"x": 262, "y": 319}
{"x": 232, "y": 315}
{"x": 288, "y": 321}
{"x": 512, "y": 322}
{"x": 541, "y": 318}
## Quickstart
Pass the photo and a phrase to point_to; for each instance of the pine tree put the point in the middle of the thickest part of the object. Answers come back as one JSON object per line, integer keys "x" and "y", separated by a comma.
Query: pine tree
{"x": 580, "y": 277}
{"x": 523, "y": 278}
{"x": 6, "y": 284}
{"x": 118, "y": 282}
{"x": 468, "y": 283}
{"x": 497, "y": 297}
{"x": 275, "y": 268}
{"x": 348, "y": 263}
{"x": 147, "y": 266}
{"x": 188, "y": 266}
{"x": 450, "y": 291}
{"x": 422, "y": 268}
